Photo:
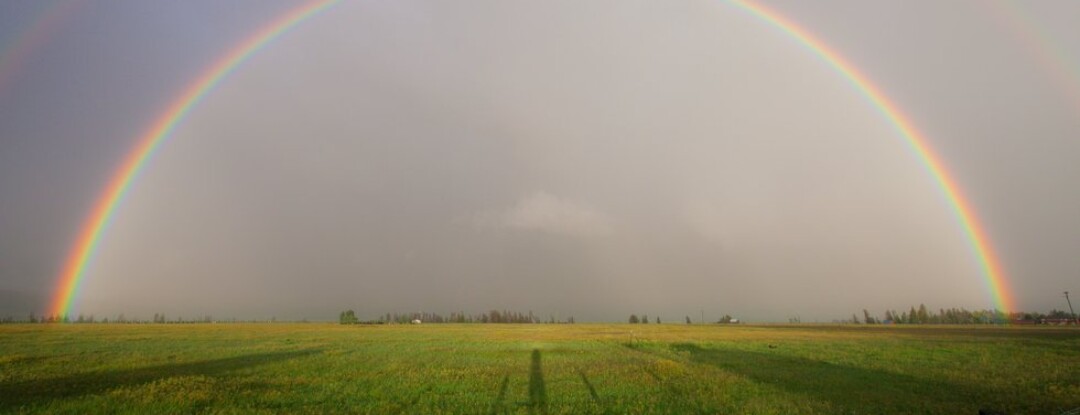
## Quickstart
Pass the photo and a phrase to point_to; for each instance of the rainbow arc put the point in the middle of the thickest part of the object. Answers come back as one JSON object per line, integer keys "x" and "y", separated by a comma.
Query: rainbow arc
{"x": 75, "y": 267}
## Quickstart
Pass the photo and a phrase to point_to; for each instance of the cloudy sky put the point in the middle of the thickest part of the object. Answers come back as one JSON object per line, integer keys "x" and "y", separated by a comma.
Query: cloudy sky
{"x": 582, "y": 158}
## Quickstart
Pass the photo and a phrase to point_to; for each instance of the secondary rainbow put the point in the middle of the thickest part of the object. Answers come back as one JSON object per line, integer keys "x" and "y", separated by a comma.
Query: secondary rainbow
{"x": 988, "y": 261}
{"x": 1050, "y": 56}
{"x": 15, "y": 55}
{"x": 75, "y": 266}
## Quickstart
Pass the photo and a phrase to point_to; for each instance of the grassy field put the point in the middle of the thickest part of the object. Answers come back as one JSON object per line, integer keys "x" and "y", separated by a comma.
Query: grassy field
{"x": 537, "y": 369}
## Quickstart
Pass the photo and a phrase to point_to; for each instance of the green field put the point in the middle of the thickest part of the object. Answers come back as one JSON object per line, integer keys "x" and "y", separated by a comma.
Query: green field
{"x": 537, "y": 369}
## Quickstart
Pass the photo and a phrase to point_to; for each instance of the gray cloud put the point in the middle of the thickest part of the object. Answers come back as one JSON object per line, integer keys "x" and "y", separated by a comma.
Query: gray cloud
{"x": 543, "y": 212}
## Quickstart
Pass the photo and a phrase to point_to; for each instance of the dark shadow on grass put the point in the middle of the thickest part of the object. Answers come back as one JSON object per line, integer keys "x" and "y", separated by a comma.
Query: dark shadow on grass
{"x": 20, "y": 393}
{"x": 845, "y": 387}
{"x": 947, "y": 331}
{"x": 23, "y": 360}
{"x": 537, "y": 392}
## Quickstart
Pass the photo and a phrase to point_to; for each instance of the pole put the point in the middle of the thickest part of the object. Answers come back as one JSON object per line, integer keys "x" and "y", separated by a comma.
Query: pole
{"x": 1071, "y": 312}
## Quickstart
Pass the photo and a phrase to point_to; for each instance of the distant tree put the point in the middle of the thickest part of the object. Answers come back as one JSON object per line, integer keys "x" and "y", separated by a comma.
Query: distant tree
{"x": 348, "y": 317}
{"x": 688, "y": 320}
{"x": 1058, "y": 314}
{"x": 634, "y": 319}
{"x": 912, "y": 317}
{"x": 657, "y": 319}
{"x": 923, "y": 316}
{"x": 866, "y": 317}
{"x": 725, "y": 319}
{"x": 644, "y": 319}
{"x": 854, "y": 319}
{"x": 570, "y": 320}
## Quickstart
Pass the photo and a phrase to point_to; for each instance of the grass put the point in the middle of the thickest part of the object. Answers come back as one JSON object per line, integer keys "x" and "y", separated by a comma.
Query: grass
{"x": 537, "y": 369}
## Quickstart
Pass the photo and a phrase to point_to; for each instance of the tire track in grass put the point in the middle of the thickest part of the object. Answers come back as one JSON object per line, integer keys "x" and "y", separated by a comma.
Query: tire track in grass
{"x": 673, "y": 394}
{"x": 416, "y": 399}
{"x": 592, "y": 392}
{"x": 499, "y": 406}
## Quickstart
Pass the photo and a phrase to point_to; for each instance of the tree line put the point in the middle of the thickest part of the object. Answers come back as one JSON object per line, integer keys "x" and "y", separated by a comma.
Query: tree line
{"x": 644, "y": 319}
{"x": 493, "y": 316}
{"x": 158, "y": 318}
{"x": 914, "y": 315}
{"x": 922, "y": 315}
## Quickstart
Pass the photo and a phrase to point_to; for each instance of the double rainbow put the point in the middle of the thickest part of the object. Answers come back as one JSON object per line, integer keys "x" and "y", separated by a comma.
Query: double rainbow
{"x": 75, "y": 267}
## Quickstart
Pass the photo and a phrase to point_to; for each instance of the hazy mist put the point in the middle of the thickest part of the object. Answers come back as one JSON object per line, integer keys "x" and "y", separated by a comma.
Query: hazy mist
{"x": 582, "y": 158}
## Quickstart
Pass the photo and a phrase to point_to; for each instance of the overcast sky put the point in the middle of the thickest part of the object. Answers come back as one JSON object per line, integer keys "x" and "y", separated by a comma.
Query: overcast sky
{"x": 582, "y": 158}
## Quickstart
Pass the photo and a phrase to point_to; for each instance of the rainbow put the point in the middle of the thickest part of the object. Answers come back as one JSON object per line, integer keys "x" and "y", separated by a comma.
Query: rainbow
{"x": 991, "y": 266}
{"x": 87, "y": 241}
{"x": 74, "y": 269}
{"x": 1040, "y": 46}
{"x": 18, "y": 52}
